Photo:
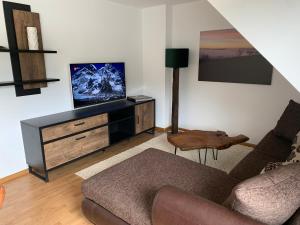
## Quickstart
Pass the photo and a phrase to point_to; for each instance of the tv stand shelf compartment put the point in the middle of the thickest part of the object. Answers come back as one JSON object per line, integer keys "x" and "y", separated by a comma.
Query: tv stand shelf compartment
{"x": 55, "y": 140}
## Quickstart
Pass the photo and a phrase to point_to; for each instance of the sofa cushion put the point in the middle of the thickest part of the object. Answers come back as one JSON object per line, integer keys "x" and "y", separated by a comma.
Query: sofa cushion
{"x": 293, "y": 157}
{"x": 251, "y": 165}
{"x": 271, "y": 198}
{"x": 271, "y": 149}
{"x": 275, "y": 147}
{"x": 128, "y": 189}
{"x": 289, "y": 123}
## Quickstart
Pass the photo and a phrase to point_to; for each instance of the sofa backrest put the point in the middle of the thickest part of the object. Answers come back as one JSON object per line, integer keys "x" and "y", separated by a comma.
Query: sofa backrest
{"x": 272, "y": 148}
{"x": 289, "y": 123}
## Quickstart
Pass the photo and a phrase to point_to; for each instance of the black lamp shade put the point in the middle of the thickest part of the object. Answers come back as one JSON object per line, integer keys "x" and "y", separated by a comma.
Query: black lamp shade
{"x": 177, "y": 57}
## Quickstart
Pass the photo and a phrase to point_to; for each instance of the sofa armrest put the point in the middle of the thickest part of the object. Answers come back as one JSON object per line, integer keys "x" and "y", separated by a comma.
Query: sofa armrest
{"x": 172, "y": 206}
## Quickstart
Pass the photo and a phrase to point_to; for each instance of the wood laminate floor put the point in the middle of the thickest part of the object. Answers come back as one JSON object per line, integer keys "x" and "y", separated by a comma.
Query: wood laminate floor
{"x": 30, "y": 201}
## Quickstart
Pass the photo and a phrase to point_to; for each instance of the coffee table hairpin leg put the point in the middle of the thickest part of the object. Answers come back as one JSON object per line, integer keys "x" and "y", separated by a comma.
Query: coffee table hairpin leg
{"x": 199, "y": 152}
{"x": 205, "y": 156}
{"x": 213, "y": 152}
{"x": 215, "y": 156}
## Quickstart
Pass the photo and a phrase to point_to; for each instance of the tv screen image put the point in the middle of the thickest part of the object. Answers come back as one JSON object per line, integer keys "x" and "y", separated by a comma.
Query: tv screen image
{"x": 94, "y": 83}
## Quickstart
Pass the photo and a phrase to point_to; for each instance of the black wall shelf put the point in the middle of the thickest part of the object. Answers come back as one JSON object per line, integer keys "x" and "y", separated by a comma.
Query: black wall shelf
{"x": 20, "y": 83}
{"x": 16, "y": 52}
{"x": 27, "y": 51}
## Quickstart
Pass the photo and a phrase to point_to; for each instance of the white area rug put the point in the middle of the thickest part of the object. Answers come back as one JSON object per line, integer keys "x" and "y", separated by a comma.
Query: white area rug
{"x": 227, "y": 159}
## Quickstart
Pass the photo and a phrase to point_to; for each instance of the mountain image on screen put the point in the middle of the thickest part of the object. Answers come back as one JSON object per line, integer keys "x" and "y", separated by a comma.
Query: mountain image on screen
{"x": 96, "y": 83}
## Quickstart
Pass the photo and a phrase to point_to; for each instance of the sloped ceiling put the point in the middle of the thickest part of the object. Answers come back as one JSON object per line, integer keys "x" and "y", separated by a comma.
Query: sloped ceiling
{"x": 149, "y": 3}
{"x": 272, "y": 27}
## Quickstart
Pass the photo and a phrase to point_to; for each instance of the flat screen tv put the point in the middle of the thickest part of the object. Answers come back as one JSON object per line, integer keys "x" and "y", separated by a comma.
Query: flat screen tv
{"x": 95, "y": 83}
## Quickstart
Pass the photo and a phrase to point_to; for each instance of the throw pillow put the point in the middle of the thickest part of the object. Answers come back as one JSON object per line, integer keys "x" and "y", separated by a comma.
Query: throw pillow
{"x": 289, "y": 123}
{"x": 293, "y": 158}
{"x": 274, "y": 165}
{"x": 271, "y": 198}
{"x": 295, "y": 155}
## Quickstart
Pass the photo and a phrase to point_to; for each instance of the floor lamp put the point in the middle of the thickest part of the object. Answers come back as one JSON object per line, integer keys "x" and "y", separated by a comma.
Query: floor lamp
{"x": 176, "y": 58}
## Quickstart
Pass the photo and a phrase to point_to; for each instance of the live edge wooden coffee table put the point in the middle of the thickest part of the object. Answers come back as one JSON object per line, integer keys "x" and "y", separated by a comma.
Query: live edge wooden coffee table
{"x": 198, "y": 140}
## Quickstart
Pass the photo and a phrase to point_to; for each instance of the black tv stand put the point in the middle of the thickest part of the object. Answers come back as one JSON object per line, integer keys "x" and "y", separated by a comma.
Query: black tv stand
{"x": 54, "y": 140}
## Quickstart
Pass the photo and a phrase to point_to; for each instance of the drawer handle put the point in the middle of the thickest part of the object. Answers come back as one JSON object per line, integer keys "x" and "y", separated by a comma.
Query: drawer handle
{"x": 79, "y": 124}
{"x": 77, "y": 139}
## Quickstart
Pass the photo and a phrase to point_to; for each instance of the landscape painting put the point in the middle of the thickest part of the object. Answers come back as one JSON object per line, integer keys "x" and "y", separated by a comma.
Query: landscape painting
{"x": 226, "y": 56}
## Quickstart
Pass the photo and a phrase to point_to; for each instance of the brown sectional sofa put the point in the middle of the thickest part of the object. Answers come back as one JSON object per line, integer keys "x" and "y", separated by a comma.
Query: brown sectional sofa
{"x": 124, "y": 194}
{"x": 159, "y": 188}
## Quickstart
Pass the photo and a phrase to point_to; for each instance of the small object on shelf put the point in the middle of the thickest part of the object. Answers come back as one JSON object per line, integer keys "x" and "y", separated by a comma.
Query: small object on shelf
{"x": 32, "y": 37}
{"x": 139, "y": 98}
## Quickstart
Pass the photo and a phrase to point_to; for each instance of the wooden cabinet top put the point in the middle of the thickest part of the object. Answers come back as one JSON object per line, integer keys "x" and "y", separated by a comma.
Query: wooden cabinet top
{"x": 50, "y": 120}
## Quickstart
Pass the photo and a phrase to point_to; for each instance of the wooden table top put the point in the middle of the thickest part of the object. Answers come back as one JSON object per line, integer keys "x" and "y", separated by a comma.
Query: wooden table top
{"x": 197, "y": 139}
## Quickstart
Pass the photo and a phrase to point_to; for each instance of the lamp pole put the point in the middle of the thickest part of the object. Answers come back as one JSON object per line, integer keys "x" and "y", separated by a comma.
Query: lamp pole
{"x": 175, "y": 101}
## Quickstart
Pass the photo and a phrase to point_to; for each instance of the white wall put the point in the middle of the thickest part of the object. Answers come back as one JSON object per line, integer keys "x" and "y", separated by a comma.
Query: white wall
{"x": 272, "y": 27}
{"x": 102, "y": 31}
{"x": 237, "y": 108}
{"x": 81, "y": 31}
{"x": 154, "y": 26}
{"x": 169, "y": 71}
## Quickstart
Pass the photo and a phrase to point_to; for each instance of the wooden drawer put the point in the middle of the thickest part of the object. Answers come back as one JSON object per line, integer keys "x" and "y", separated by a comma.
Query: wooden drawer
{"x": 65, "y": 150}
{"x": 51, "y": 133}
